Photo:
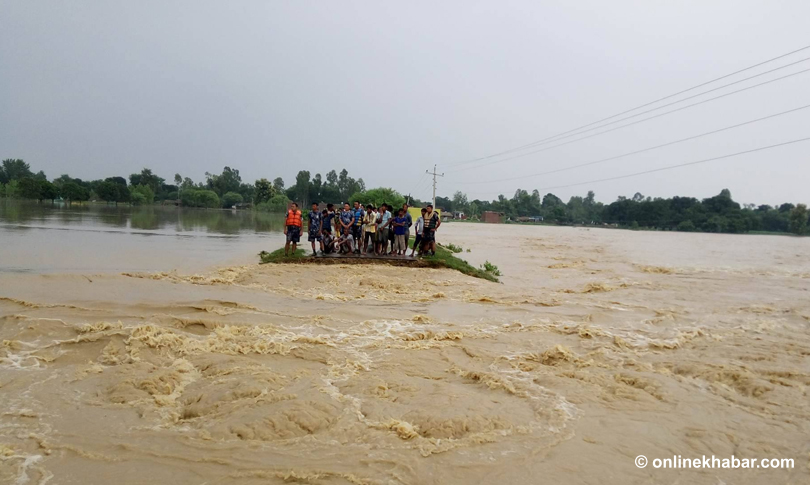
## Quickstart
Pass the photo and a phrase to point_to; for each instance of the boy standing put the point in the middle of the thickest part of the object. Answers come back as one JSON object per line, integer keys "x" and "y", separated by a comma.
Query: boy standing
{"x": 292, "y": 228}
{"x": 383, "y": 229}
{"x": 400, "y": 229}
{"x": 410, "y": 223}
{"x": 329, "y": 215}
{"x": 346, "y": 219}
{"x": 357, "y": 228}
{"x": 315, "y": 227}
{"x": 369, "y": 228}
{"x": 420, "y": 228}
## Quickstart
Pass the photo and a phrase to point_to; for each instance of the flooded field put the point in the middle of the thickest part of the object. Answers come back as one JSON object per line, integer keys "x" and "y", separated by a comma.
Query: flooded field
{"x": 597, "y": 347}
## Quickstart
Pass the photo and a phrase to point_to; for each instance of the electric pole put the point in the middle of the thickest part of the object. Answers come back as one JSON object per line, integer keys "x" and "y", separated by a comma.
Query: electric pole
{"x": 434, "y": 182}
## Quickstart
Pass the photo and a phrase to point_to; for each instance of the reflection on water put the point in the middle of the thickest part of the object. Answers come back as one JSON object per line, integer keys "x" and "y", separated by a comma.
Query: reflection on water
{"x": 171, "y": 219}
{"x": 96, "y": 237}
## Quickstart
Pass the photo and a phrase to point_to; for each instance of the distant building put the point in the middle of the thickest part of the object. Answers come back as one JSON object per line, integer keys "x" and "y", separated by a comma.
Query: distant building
{"x": 492, "y": 217}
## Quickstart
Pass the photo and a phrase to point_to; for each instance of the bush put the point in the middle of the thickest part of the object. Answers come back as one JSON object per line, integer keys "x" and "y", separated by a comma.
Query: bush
{"x": 141, "y": 194}
{"x": 491, "y": 269}
{"x": 452, "y": 247}
{"x": 137, "y": 198}
{"x": 686, "y": 226}
{"x": 278, "y": 203}
{"x": 230, "y": 199}
{"x": 379, "y": 196}
{"x": 208, "y": 199}
{"x": 199, "y": 198}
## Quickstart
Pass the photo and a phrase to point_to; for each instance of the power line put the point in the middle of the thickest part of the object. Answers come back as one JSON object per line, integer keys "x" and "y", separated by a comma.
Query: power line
{"x": 635, "y": 108}
{"x": 642, "y": 150}
{"x": 670, "y": 167}
{"x": 675, "y": 102}
{"x": 418, "y": 183}
{"x": 634, "y": 122}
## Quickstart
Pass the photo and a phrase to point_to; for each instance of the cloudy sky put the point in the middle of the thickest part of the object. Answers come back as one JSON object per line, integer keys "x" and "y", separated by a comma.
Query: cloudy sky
{"x": 388, "y": 89}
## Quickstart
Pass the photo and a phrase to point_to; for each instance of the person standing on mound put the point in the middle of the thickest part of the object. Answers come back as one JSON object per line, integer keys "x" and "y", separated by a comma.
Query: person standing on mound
{"x": 292, "y": 228}
{"x": 432, "y": 222}
{"x": 315, "y": 227}
{"x": 345, "y": 220}
{"x": 357, "y": 227}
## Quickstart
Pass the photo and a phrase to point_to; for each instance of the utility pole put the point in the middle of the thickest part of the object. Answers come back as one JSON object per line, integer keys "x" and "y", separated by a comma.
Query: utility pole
{"x": 434, "y": 182}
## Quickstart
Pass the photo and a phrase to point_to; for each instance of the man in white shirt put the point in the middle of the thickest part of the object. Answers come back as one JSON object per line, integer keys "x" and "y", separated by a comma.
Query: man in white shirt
{"x": 420, "y": 228}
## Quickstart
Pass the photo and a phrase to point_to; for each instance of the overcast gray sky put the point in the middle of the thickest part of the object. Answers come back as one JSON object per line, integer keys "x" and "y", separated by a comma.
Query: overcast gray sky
{"x": 387, "y": 89}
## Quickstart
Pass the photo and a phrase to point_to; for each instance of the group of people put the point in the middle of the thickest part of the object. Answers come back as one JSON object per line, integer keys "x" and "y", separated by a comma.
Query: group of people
{"x": 361, "y": 230}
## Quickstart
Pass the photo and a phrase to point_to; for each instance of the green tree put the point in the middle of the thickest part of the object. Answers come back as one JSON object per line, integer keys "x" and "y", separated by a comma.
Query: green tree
{"x": 278, "y": 203}
{"x": 798, "y": 219}
{"x": 686, "y": 226}
{"x": 278, "y": 184}
{"x": 379, "y": 196}
{"x": 230, "y": 199}
{"x": 141, "y": 194}
{"x": 208, "y": 199}
{"x": 460, "y": 202}
{"x": 73, "y": 192}
{"x": 264, "y": 191}
{"x": 15, "y": 169}
{"x": 300, "y": 191}
{"x": 47, "y": 190}
{"x": 11, "y": 189}
{"x": 108, "y": 191}
{"x": 29, "y": 188}
{"x": 228, "y": 181}
{"x": 147, "y": 178}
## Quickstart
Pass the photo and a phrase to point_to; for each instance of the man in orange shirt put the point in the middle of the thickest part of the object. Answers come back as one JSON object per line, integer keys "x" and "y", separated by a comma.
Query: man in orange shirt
{"x": 292, "y": 229}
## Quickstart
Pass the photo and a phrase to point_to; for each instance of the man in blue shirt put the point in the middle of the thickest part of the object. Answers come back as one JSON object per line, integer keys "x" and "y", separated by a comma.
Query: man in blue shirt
{"x": 346, "y": 220}
{"x": 400, "y": 229}
{"x": 408, "y": 227}
{"x": 357, "y": 225}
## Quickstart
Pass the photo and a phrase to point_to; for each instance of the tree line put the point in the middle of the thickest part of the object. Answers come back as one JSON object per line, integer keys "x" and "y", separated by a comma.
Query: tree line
{"x": 227, "y": 189}
{"x": 713, "y": 214}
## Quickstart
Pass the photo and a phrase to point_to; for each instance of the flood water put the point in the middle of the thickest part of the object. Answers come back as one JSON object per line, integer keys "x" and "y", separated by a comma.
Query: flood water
{"x": 53, "y": 238}
{"x": 148, "y": 346}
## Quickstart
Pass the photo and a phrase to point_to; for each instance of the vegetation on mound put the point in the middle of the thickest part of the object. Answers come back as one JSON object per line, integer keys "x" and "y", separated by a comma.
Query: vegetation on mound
{"x": 277, "y": 256}
{"x": 445, "y": 258}
{"x": 442, "y": 259}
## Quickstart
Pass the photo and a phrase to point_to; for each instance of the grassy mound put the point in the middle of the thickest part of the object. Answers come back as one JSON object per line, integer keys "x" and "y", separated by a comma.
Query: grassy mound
{"x": 442, "y": 259}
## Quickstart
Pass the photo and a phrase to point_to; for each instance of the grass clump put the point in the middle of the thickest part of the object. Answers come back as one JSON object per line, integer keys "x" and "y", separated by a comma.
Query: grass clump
{"x": 491, "y": 269}
{"x": 453, "y": 248}
{"x": 445, "y": 258}
{"x": 277, "y": 256}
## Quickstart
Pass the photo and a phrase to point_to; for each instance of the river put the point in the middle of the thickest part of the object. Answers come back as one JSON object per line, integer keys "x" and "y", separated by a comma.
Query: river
{"x": 148, "y": 346}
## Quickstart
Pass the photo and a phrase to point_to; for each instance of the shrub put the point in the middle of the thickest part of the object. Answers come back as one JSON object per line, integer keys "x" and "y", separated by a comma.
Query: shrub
{"x": 230, "y": 199}
{"x": 199, "y": 198}
{"x": 208, "y": 199}
{"x": 491, "y": 269}
{"x": 141, "y": 194}
{"x": 686, "y": 226}
{"x": 452, "y": 247}
{"x": 278, "y": 203}
{"x": 137, "y": 198}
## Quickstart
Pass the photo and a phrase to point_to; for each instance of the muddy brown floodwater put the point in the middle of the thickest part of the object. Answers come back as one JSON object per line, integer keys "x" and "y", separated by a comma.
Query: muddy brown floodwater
{"x": 599, "y": 345}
